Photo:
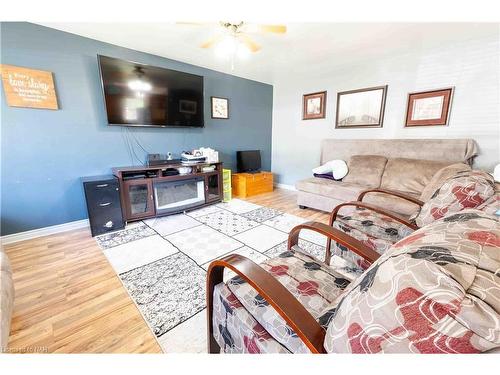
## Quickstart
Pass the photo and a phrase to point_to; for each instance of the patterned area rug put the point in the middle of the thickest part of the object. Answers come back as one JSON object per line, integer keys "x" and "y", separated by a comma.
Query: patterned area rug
{"x": 162, "y": 262}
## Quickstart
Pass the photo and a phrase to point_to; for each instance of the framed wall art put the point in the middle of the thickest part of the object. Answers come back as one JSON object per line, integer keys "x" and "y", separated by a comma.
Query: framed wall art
{"x": 314, "y": 106}
{"x": 29, "y": 88}
{"x": 429, "y": 108}
{"x": 363, "y": 108}
{"x": 220, "y": 108}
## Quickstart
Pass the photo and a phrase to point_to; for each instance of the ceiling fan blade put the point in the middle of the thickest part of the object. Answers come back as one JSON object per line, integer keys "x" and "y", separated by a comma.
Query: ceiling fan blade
{"x": 193, "y": 23}
{"x": 211, "y": 42}
{"x": 252, "y": 46}
{"x": 197, "y": 25}
{"x": 277, "y": 29}
{"x": 256, "y": 28}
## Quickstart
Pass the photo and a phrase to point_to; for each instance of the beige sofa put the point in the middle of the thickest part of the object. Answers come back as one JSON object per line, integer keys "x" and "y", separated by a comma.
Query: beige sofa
{"x": 405, "y": 165}
{"x": 6, "y": 299}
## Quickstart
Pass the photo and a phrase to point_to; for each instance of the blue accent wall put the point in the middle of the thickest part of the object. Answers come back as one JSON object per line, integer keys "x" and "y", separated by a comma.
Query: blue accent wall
{"x": 44, "y": 153}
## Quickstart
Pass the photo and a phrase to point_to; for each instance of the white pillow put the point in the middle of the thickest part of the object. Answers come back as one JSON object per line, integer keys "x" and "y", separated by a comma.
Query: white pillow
{"x": 338, "y": 168}
{"x": 322, "y": 169}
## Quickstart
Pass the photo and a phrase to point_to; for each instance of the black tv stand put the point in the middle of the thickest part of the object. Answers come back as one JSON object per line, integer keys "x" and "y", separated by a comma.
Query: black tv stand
{"x": 145, "y": 190}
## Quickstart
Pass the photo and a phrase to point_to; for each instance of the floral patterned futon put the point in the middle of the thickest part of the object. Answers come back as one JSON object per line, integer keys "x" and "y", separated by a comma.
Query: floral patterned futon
{"x": 467, "y": 189}
{"x": 377, "y": 231}
{"x": 435, "y": 291}
{"x": 245, "y": 323}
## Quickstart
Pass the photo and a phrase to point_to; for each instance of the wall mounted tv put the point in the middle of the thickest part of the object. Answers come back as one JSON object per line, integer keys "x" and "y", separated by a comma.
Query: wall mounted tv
{"x": 143, "y": 95}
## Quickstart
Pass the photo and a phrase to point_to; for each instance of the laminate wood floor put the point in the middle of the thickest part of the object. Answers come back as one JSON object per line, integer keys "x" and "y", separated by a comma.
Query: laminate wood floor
{"x": 69, "y": 299}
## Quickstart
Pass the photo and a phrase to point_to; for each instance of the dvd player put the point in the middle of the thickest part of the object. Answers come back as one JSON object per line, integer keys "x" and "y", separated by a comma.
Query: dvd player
{"x": 159, "y": 159}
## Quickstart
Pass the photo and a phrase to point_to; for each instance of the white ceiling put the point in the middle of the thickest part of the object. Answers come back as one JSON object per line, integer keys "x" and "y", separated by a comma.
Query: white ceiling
{"x": 304, "y": 46}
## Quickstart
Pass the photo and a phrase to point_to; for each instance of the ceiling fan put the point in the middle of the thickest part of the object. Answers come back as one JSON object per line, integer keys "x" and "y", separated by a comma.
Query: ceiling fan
{"x": 233, "y": 35}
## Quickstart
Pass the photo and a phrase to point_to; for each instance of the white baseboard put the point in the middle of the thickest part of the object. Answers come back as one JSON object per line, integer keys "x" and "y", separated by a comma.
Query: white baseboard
{"x": 40, "y": 232}
{"x": 285, "y": 186}
{"x": 46, "y": 231}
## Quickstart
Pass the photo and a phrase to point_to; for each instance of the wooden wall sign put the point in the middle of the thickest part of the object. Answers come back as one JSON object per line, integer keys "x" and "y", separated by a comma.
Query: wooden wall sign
{"x": 28, "y": 88}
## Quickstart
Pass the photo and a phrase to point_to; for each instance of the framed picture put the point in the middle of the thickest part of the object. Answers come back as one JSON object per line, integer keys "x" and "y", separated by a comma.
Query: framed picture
{"x": 220, "y": 108}
{"x": 429, "y": 108}
{"x": 363, "y": 108}
{"x": 188, "y": 106}
{"x": 314, "y": 106}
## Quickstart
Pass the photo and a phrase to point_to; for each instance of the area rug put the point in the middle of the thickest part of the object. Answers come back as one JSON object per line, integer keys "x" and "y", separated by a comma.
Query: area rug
{"x": 162, "y": 262}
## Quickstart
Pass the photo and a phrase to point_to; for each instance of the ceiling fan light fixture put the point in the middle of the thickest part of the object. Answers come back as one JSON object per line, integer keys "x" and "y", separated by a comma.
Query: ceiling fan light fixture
{"x": 227, "y": 46}
{"x": 243, "y": 51}
{"x": 232, "y": 45}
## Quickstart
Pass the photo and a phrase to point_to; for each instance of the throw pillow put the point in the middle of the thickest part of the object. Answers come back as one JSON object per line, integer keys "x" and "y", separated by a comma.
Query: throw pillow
{"x": 409, "y": 175}
{"x": 323, "y": 169}
{"x": 366, "y": 170}
{"x": 338, "y": 169}
{"x": 467, "y": 189}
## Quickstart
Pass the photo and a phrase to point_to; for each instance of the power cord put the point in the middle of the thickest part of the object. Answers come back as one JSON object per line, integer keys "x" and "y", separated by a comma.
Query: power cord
{"x": 131, "y": 148}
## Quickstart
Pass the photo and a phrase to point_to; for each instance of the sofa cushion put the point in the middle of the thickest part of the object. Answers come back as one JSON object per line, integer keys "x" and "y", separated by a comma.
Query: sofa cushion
{"x": 409, "y": 175}
{"x": 435, "y": 291}
{"x": 313, "y": 283}
{"x": 468, "y": 189}
{"x": 377, "y": 231}
{"x": 341, "y": 190}
{"x": 394, "y": 204}
{"x": 365, "y": 170}
{"x": 236, "y": 330}
{"x": 440, "y": 177}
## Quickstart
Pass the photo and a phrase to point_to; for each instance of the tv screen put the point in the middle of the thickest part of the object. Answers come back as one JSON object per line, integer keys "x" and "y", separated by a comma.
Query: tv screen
{"x": 143, "y": 95}
{"x": 248, "y": 161}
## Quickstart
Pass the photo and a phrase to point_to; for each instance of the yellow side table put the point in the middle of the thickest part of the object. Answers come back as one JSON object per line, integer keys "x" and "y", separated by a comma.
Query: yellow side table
{"x": 249, "y": 184}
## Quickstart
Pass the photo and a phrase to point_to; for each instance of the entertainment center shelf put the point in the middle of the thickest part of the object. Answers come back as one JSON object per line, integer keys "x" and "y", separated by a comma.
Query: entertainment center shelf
{"x": 150, "y": 191}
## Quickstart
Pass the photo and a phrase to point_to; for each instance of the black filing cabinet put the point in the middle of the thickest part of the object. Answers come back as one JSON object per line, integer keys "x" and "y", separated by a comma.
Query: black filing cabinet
{"x": 103, "y": 204}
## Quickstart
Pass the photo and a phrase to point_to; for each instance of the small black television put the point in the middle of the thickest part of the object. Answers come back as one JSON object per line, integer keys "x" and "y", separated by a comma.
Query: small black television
{"x": 143, "y": 95}
{"x": 248, "y": 161}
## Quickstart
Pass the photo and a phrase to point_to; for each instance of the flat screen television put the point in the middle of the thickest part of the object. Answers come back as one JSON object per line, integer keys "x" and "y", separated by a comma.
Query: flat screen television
{"x": 248, "y": 161}
{"x": 144, "y": 95}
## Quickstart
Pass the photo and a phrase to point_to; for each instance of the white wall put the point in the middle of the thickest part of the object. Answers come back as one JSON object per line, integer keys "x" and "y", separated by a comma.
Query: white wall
{"x": 472, "y": 66}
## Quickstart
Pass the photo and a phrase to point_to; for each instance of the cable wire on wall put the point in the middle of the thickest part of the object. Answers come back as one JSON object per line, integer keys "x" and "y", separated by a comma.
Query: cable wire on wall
{"x": 123, "y": 131}
{"x": 131, "y": 149}
{"x": 137, "y": 141}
